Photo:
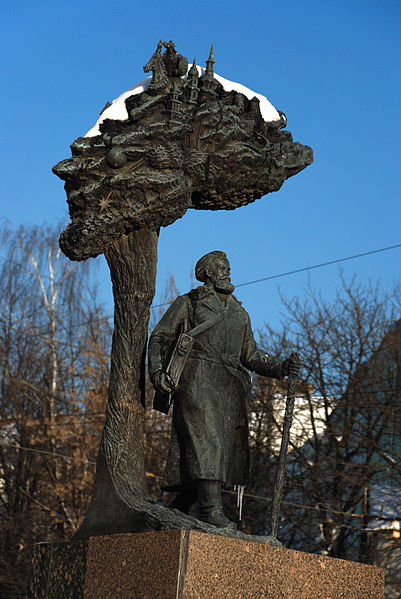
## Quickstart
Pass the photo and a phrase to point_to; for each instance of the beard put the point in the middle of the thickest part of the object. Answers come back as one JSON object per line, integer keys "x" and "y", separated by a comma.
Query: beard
{"x": 223, "y": 286}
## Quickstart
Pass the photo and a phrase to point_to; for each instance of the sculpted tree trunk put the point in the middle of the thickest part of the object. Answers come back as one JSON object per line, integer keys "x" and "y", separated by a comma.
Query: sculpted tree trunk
{"x": 177, "y": 143}
{"x": 120, "y": 474}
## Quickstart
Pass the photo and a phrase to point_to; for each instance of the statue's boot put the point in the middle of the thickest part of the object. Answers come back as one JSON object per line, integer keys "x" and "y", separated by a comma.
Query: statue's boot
{"x": 184, "y": 499}
{"x": 210, "y": 505}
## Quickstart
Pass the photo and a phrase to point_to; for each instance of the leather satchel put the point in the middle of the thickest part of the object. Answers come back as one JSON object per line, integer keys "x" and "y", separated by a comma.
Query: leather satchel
{"x": 179, "y": 356}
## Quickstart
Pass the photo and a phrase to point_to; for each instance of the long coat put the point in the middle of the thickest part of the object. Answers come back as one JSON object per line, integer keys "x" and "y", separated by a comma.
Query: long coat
{"x": 209, "y": 438}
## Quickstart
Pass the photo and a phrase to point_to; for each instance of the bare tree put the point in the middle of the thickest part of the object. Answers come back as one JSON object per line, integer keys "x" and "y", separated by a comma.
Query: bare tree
{"x": 54, "y": 354}
{"x": 346, "y": 441}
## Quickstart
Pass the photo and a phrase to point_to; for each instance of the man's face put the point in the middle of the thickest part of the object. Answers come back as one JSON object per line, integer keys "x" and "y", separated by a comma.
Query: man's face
{"x": 219, "y": 274}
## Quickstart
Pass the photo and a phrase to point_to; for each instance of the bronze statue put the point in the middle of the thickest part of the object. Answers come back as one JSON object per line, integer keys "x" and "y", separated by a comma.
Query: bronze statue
{"x": 184, "y": 143}
{"x": 209, "y": 440}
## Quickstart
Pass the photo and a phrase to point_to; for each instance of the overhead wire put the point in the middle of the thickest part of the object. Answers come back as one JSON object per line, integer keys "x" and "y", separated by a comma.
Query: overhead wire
{"x": 337, "y": 261}
{"x": 307, "y": 268}
{"x": 270, "y": 277}
{"x": 266, "y": 499}
{"x": 262, "y": 279}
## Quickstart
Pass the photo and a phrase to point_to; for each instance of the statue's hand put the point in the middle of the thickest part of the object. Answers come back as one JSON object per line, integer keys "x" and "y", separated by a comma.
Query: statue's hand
{"x": 292, "y": 365}
{"x": 162, "y": 382}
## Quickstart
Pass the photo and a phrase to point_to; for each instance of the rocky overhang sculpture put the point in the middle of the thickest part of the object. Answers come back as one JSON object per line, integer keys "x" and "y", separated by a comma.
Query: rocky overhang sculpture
{"x": 181, "y": 139}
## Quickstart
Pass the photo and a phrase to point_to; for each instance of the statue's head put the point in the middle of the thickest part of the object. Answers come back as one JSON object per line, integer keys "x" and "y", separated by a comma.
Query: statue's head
{"x": 213, "y": 269}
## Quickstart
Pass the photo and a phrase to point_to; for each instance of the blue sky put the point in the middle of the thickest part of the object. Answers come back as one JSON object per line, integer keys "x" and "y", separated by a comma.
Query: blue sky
{"x": 332, "y": 67}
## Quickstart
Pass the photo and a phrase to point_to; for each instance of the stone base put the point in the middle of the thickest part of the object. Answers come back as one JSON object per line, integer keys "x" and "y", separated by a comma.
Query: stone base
{"x": 186, "y": 564}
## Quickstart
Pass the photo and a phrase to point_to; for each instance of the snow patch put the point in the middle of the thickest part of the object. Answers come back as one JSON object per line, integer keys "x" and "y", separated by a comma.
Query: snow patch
{"x": 118, "y": 112}
{"x": 385, "y": 506}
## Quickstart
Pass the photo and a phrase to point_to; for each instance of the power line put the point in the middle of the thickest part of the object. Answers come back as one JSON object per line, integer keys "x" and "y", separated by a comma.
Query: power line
{"x": 292, "y": 272}
{"x": 306, "y": 268}
{"x": 43, "y": 336}
{"x": 52, "y": 454}
{"x": 319, "y": 508}
{"x": 268, "y": 278}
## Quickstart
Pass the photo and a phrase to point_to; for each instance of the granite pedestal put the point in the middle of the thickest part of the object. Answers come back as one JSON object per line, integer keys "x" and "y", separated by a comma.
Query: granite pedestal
{"x": 179, "y": 564}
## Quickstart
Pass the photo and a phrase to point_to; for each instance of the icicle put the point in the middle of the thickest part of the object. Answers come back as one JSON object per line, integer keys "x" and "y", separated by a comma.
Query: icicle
{"x": 240, "y": 494}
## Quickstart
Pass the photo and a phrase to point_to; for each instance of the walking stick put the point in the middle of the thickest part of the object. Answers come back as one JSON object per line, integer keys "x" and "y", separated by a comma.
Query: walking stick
{"x": 280, "y": 472}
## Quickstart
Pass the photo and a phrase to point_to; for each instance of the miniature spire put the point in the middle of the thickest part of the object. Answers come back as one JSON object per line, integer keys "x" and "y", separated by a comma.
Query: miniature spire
{"x": 209, "y": 83}
{"x": 193, "y": 77}
{"x": 209, "y": 63}
{"x": 193, "y": 71}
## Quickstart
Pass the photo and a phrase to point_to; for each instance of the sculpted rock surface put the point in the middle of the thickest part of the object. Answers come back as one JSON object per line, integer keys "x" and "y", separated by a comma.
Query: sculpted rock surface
{"x": 187, "y": 143}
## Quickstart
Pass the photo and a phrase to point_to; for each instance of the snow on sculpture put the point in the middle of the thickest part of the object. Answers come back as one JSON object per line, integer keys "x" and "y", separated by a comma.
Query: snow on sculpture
{"x": 197, "y": 141}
